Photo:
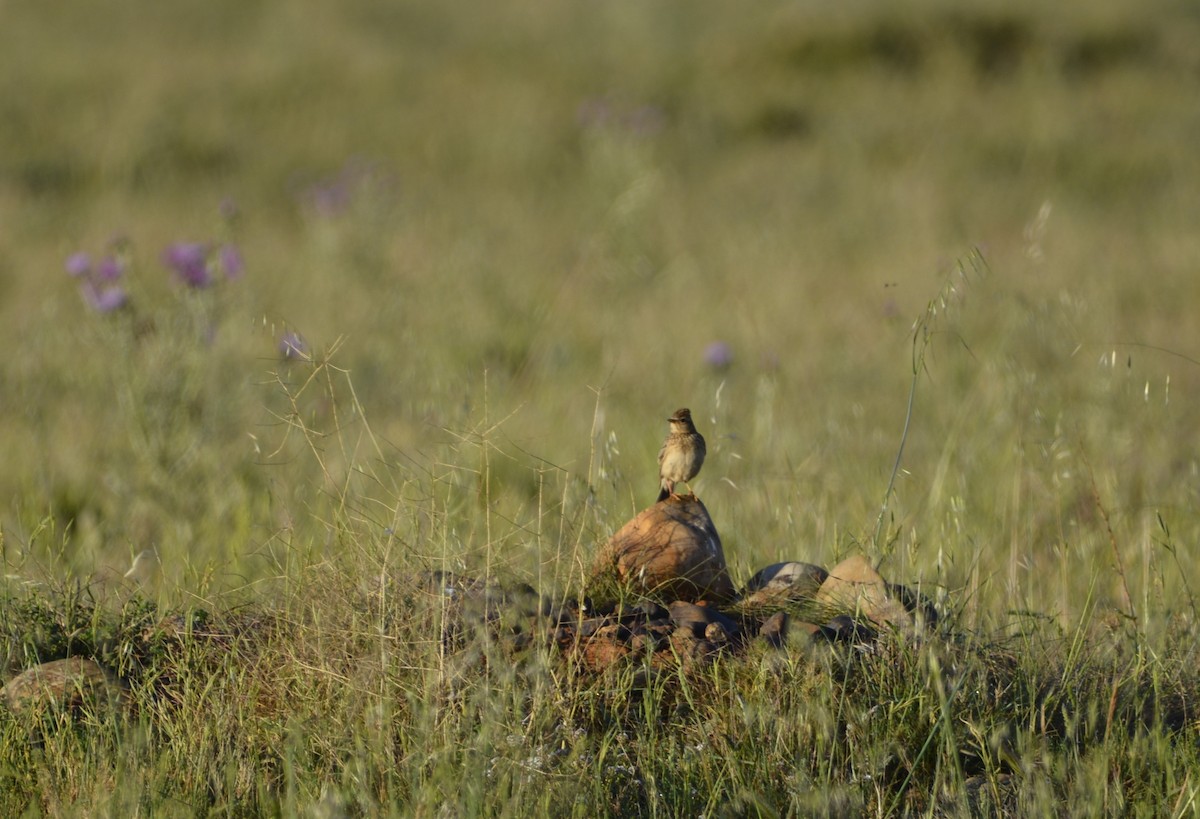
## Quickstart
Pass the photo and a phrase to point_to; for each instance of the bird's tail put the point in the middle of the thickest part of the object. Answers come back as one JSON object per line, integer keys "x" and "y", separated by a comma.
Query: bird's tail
{"x": 663, "y": 494}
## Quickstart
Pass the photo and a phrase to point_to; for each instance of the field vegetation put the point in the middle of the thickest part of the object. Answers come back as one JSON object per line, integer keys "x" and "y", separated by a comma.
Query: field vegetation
{"x": 306, "y": 302}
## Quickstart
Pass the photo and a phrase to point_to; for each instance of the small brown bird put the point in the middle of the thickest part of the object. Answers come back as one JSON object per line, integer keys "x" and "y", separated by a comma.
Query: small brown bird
{"x": 682, "y": 454}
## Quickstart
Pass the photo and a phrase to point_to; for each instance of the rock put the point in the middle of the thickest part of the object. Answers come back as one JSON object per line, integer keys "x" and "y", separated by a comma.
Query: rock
{"x": 683, "y": 640}
{"x": 774, "y": 629}
{"x": 671, "y": 550}
{"x": 689, "y": 648}
{"x": 854, "y": 586}
{"x": 716, "y": 634}
{"x": 73, "y": 684}
{"x": 605, "y": 644}
{"x": 809, "y": 630}
{"x": 698, "y": 618}
{"x": 782, "y": 583}
{"x": 599, "y": 653}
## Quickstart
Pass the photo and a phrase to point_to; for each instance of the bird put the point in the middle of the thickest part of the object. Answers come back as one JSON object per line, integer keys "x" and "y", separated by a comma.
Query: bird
{"x": 681, "y": 456}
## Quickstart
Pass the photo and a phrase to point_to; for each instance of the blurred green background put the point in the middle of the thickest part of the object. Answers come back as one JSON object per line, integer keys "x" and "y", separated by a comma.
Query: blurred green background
{"x": 509, "y": 234}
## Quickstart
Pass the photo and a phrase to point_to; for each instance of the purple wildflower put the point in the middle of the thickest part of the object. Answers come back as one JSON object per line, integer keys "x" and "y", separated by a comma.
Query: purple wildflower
{"x": 189, "y": 261}
{"x": 231, "y": 261}
{"x": 292, "y": 346}
{"x": 98, "y": 284}
{"x": 718, "y": 355}
{"x": 79, "y": 264}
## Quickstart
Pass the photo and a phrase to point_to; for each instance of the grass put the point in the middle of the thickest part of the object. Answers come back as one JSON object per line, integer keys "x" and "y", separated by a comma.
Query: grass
{"x": 474, "y": 217}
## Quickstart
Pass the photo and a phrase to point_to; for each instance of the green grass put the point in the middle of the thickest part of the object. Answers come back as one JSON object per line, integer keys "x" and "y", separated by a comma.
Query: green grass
{"x": 550, "y": 211}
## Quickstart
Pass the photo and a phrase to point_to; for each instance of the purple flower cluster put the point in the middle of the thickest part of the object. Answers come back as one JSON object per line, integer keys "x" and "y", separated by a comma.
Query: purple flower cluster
{"x": 198, "y": 266}
{"x": 99, "y": 282}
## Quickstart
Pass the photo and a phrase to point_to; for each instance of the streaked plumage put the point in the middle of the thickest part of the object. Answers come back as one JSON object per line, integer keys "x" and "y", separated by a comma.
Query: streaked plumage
{"x": 681, "y": 456}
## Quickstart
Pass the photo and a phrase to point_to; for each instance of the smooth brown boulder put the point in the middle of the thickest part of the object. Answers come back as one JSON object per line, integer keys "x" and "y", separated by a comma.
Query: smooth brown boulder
{"x": 72, "y": 684}
{"x": 854, "y": 586}
{"x": 672, "y": 551}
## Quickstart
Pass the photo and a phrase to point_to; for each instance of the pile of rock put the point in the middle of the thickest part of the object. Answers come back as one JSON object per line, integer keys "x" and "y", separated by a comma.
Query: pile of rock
{"x": 672, "y": 552}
